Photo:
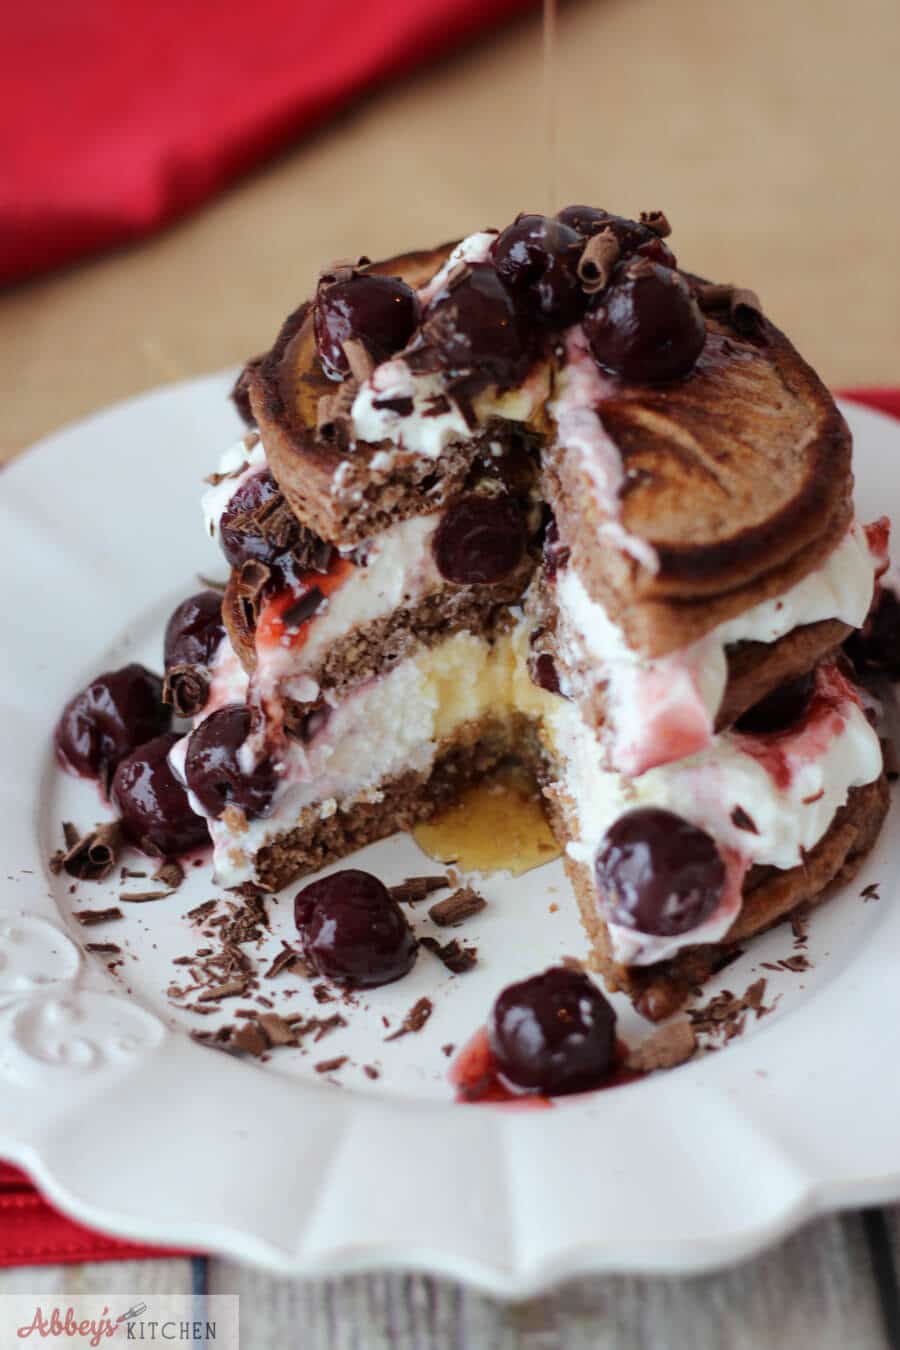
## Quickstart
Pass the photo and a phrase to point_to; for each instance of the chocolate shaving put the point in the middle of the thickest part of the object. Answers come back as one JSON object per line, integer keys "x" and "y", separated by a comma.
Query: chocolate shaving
{"x": 743, "y": 305}
{"x": 414, "y": 1020}
{"x": 458, "y": 907}
{"x": 303, "y": 609}
{"x": 90, "y": 857}
{"x": 102, "y": 948}
{"x": 456, "y": 958}
{"x": 330, "y": 1065}
{"x": 212, "y": 583}
{"x": 88, "y": 918}
{"x": 249, "y": 1039}
{"x": 201, "y": 912}
{"x": 214, "y": 479}
{"x": 665, "y": 1048}
{"x": 417, "y": 888}
{"x": 370, "y": 1071}
{"x": 437, "y": 405}
{"x": 250, "y": 583}
{"x": 170, "y": 873}
{"x": 323, "y": 1026}
{"x": 277, "y": 1030}
{"x": 599, "y": 257}
{"x": 742, "y": 821}
{"x": 797, "y": 963}
{"x": 657, "y": 222}
{"x": 186, "y": 689}
{"x": 871, "y": 892}
{"x": 143, "y": 897}
{"x": 228, "y": 989}
{"x": 287, "y": 959}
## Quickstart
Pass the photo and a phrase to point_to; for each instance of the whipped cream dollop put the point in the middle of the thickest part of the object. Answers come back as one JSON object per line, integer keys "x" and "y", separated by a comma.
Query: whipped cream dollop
{"x": 763, "y": 799}
{"x": 236, "y": 464}
{"x": 661, "y": 710}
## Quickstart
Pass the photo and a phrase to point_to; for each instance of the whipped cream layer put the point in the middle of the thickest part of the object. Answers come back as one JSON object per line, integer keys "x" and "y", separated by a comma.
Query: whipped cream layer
{"x": 391, "y": 725}
{"x": 661, "y": 710}
{"x": 581, "y": 388}
{"x": 788, "y": 787}
{"x": 398, "y": 571}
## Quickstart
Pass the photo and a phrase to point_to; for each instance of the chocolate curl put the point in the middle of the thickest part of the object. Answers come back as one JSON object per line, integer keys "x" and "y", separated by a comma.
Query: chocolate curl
{"x": 342, "y": 269}
{"x": 249, "y": 587}
{"x": 90, "y": 857}
{"x": 746, "y": 311}
{"x": 657, "y": 221}
{"x": 186, "y": 689}
{"x": 599, "y": 257}
{"x": 744, "y": 307}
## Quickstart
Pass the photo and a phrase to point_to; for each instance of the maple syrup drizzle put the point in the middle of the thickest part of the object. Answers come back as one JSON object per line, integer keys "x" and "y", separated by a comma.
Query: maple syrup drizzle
{"x": 497, "y": 825}
{"x": 550, "y": 88}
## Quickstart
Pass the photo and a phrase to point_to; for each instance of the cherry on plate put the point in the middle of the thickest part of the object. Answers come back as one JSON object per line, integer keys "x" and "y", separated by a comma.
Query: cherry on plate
{"x": 480, "y": 540}
{"x": 353, "y": 930}
{"x": 380, "y": 312}
{"x": 118, "y": 711}
{"x": 554, "y": 1033}
{"x": 646, "y": 324}
{"x": 239, "y": 539}
{"x": 194, "y": 631}
{"x": 153, "y": 805}
{"x": 213, "y": 769}
{"x": 658, "y": 873}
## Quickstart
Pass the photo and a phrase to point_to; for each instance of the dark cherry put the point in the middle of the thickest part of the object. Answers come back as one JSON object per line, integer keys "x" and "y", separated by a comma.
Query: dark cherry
{"x": 380, "y": 312}
{"x": 875, "y": 648}
{"x": 646, "y": 324}
{"x": 479, "y": 541}
{"x": 554, "y": 1033}
{"x": 537, "y": 260}
{"x": 544, "y": 674}
{"x": 239, "y": 544}
{"x": 194, "y": 631}
{"x": 659, "y": 873}
{"x": 473, "y": 325}
{"x": 779, "y": 710}
{"x": 115, "y": 713}
{"x": 631, "y": 235}
{"x": 213, "y": 770}
{"x": 154, "y": 807}
{"x": 353, "y": 930}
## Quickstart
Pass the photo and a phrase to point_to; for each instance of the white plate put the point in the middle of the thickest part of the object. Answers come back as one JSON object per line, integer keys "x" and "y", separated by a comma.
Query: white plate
{"x": 130, "y": 1126}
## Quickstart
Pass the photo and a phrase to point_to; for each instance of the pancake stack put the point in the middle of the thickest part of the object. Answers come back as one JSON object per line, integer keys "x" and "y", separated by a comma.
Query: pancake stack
{"x": 541, "y": 494}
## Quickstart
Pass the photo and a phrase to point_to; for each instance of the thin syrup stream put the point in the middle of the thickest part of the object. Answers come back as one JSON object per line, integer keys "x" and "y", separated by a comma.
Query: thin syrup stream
{"x": 550, "y": 102}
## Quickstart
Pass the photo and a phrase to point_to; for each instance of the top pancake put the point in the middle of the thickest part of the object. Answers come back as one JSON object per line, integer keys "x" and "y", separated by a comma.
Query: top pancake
{"x": 737, "y": 476}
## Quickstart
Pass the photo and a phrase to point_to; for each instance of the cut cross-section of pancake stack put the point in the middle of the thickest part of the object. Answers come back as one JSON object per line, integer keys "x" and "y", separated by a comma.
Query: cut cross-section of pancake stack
{"x": 542, "y": 494}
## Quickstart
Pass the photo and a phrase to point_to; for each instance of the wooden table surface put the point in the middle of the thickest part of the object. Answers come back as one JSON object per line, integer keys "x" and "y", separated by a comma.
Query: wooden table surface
{"x": 769, "y": 133}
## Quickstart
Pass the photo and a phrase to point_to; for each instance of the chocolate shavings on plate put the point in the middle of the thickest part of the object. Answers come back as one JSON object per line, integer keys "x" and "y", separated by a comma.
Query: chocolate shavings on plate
{"x": 88, "y": 857}
{"x": 417, "y": 888}
{"x": 457, "y": 958}
{"x": 458, "y": 907}
{"x": 88, "y": 918}
{"x": 414, "y": 1020}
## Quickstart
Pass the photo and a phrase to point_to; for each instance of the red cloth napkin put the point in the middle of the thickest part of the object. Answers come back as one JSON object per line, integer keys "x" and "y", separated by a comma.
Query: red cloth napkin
{"x": 32, "y": 1233}
{"x": 120, "y": 118}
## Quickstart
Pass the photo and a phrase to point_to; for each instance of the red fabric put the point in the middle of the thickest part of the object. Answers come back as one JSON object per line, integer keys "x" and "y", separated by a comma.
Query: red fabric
{"x": 118, "y": 118}
{"x": 32, "y": 1233}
